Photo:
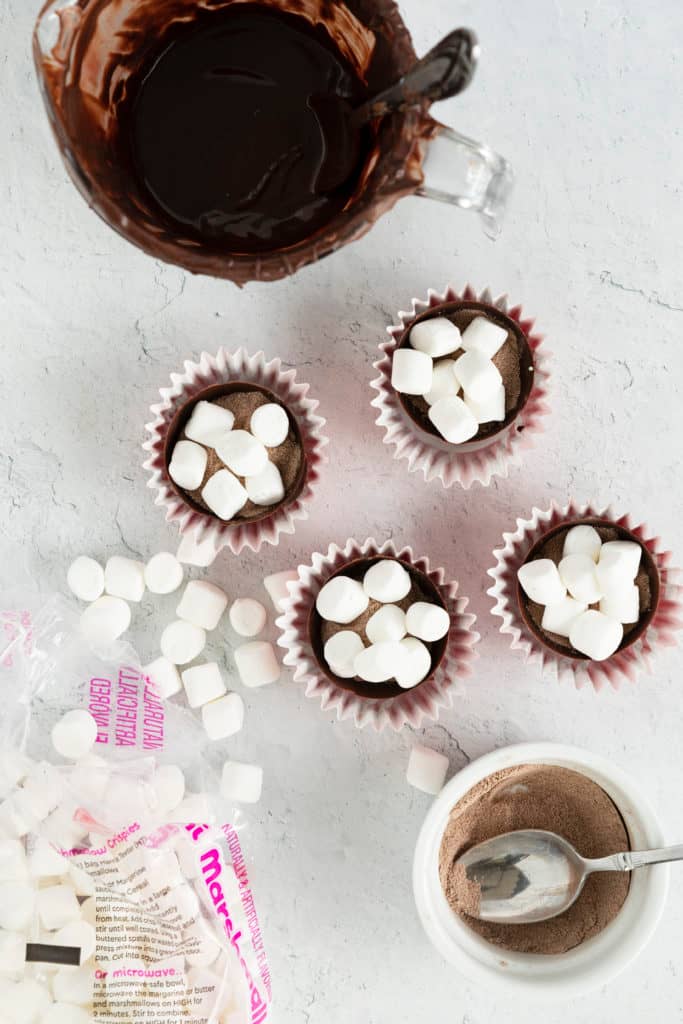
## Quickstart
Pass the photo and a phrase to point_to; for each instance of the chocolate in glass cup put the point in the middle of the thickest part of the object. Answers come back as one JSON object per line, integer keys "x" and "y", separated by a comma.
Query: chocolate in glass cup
{"x": 187, "y": 125}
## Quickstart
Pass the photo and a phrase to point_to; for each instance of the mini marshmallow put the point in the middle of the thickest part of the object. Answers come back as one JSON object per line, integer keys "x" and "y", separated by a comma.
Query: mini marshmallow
{"x": 66, "y": 1013}
{"x": 618, "y": 564}
{"x": 479, "y": 377}
{"x": 340, "y": 653}
{"x": 277, "y": 586}
{"x": 194, "y": 809}
{"x": 266, "y": 488}
{"x": 124, "y": 577}
{"x": 411, "y": 372}
{"x": 224, "y": 494}
{"x": 454, "y": 420}
{"x": 341, "y": 600}
{"x": 242, "y": 782}
{"x": 427, "y": 621}
{"x": 43, "y": 789}
{"x": 482, "y": 335}
{"x": 622, "y": 605}
{"x": 164, "y": 677}
{"x": 560, "y": 616}
{"x": 182, "y": 642}
{"x": 415, "y": 664}
{"x": 162, "y": 869}
{"x": 85, "y": 579}
{"x": 14, "y": 767}
{"x": 83, "y": 884}
{"x": 168, "y": 784}
{"x": 201, "y": 553}
{"x": 74, "y": 734}
{"x": 57, "y": 906}
{"x": 596, "y": 635}
{"x": 74, "y": 986}
{"x": 223, "y": 717}
{"x": 14, "y": 820}
{"x": 89, "y": 910}
{"x": 163, "y": 573}
{"x": 12, "y": 861}
{"x": 242, "y": 453}
{"x": 427, "y": 769}
{"x": 105, "y": 620}
{"x": 541, "y": 581}
{"x": 208, "y": 423}
{"x": 444, "y": 382}
{"x": 79, "y": 935}
{"x": 44, "y": 861}
{"x": 436, "y": 336}
{"x": 270, "y": 424}
{"x": 379, "y": 662}
{"x": 17, "y": 903}
{"x": 387, "y": 581}
{"x": 257, "y": 664}
{"x": 582, "y": 540}
{"x": 202, "y": 604}
{"x": 490, "y": 410}
{"x": 388, "y": 623}
{"x": 188, "y": 465}
{"x": 12, "y": 952}
{"x": 30, "y": 1003}
{"x": 247, "y": 617}
{"x": 204, "y": 942}
{"x": 577, "y": 572}
{"x": 203, "y": 683}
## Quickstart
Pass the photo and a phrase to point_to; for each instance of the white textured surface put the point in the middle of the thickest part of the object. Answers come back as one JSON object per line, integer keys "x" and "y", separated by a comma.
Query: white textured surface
{"x": 584, "y": 100}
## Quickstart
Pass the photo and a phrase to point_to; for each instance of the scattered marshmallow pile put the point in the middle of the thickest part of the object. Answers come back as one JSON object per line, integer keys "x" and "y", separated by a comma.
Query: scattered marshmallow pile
{"x": 427, "y": 769}
{"x": 249, "y": 474}
{"x": 589, "y": 573}
{"x": 423, "y": 370}
{"x": 397, "y": 648}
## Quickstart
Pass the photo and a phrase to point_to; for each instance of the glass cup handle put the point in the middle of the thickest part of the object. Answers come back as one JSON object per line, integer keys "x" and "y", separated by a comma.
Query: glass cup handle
{"x": 468, "y": 174}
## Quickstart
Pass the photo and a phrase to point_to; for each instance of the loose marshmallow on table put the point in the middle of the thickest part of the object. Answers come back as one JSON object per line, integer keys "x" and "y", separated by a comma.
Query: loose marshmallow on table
{"x": 105, "y": 620}
{"x": 482, "y": 335}
{"x": 560, "y": 616}
{"x": 490, "y": 410}
{"x": 341, "y": 600}
{"x": 202, "y": 604}
{"x": 578, "y": 574}
{"x": 247, "y": 617}
{"x": 208, "y": 423}
{"x": 622, "y": 604}
{"x": 277, "y": 586}
{"x": 182, "y": 642}
{"x": 270, "y": 424}
{"x": 480, "y": 378}
{"x": 582, "y": 540}
{"x": 596, "y": 635}
{"x": 124, "y": 577}
{"x": 444, "y": 382}
{"x": 57, "y": 906}
{"x": 426, "y": 621}
{"x": 618, "y": 564}
{"x": 203, "y": 683}
{"x": 201, "y": 553}
{"x": 17, "y": 903}
{"x": 242, "y": 782}
{"x": 74, "y": 734}
{"x": 85, "y": 578}
{"x": 412, "y": 372}
{"x": 415, "y": 664}
{"x": 541, "y": 581}
{"x": 224, "y": 494}
{"x": 454, "y": 420}
{"x": 436, "y": 336}
{"x": 387, "y": 581}
{"x": 427, "y": 769}
{"x": 223, "y": 717}
{"x": 164, "y": 677}
{"x": 242, "y": 453}
{"x": 163, "y": 573}
{"x": 188, "y": 465}
{"x": 388, "y": 623}
{"x": 340, "y": 653}
{"x": 379, "y": 662}
{"x": 168, "y": 783}
{"x": 257, "y": 664}
{"x": 266, "y": 487}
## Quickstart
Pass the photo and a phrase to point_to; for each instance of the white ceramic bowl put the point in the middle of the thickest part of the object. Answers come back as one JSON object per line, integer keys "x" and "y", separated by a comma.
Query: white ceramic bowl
{"x": 594, "y": 962}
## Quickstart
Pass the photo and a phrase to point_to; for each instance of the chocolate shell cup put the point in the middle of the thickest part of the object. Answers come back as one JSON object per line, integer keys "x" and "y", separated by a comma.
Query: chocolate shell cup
{"x": 496, "y": 446}
{"x": 378, "y": 704}
{"x": 209, "y": 379}
{"x": 658, "y": 622}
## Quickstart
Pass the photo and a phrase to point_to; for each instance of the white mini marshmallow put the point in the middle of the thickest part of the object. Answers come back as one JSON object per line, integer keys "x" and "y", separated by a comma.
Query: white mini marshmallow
{"x": 182, "y": 642}
{"x": 411, "y": 372}
{"x": 242, "y": 782}
{"x": 623, "y": 604}
{"x": 223, "y": 717}
{"x": 491, "y": 410}
{"x": 248, "y": 617}
{"x": 340, "y": 653}
{"x": 379, "y": 662}
{"x": 436, "y": 336}
{"x": 105, "y": 620}
{"x": 79, "y": 935}
{"x": 14, "y": 767}
{"x": 541, "y": 581}
{"x": 201, "y": 553}
{"x": 242, "y": 453}
{"x": 427, "y": 621}
{"x": 387, "y": 581}
{"x": 270, "y": 424}
{"x": 560, "y": 616}
{"x": 85, "y": 578}
{"x": 84, "y": 885}
{"x": 257, "y": 664}
{"x": 30, "y": 1003}
{"x": 162, "y": 869}
{"x": 415, "y": 665}
{"x": 15, "y": 821}
{"x": 188, "y": 465}
{"x": 74, "y": 734}
{"x": 341, "y": 600}
{"x": 618, "y": 564}
{"x": 277, "y": 586}
{"x": 57, "y": 906}
{"x": 164, "y": 677}
{"x": 66, "y": 1013}
{"x": 124, "y": 577}
{"x": 12, "y": 952}
{"x": 203, "y": 683}
{"x": 204, "y": 941}
{"x": 74, "y": 985}
{"x": 266, "y": 488}
{"x": 17, "y": 903}
{"x": 202, "y": 604}
{"x": 12, "y": 861}
{"x": 388, "y": 623}
{"x": 208, "y": 423}
{"x": 427, "y": 769}
{"x": 168, "y": 784}
{"x": 596, "y": 635}
{"x": 582, "y": 540}
{"x": 454, "y": 420}
{"x": 482, "y": 335}
{"x": 224, "y": 494}
{"x": 578, "y": 574}
{"x": 479, "y": 377}
{"x": 89, "y": 910}
{"x": 163, "y": 573}
{"x": 444, "y": 382}
{"x": 195, "y": 808}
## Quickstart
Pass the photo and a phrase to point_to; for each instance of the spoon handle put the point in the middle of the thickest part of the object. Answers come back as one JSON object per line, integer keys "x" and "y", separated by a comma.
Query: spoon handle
{"x": 634, "y": 859}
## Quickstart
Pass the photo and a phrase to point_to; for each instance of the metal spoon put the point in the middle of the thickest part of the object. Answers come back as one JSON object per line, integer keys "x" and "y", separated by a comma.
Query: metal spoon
{"x": 445, "y": 71}
{"x": 531, "y": 875}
